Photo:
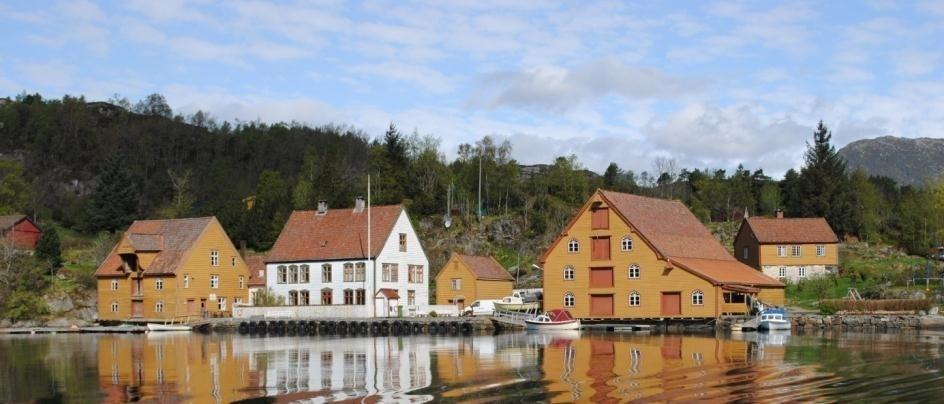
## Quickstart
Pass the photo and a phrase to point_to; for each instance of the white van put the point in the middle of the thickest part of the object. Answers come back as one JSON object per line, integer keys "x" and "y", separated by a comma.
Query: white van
{"x": 480, "y": 308}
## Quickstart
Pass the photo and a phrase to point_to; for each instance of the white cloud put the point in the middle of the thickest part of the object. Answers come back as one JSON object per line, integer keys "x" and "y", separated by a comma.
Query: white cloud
{"x": 416, "y": 75}
{"x": 915, "y": 63}
{"x": 53, "y": 75}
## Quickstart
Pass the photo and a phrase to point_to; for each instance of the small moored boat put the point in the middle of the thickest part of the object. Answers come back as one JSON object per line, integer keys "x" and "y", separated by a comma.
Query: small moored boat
{"x": 167, "y": 327}
{"x": 518, "y": 301}
{"x": 773, "y": 319}
{"x": 553, "y": 320}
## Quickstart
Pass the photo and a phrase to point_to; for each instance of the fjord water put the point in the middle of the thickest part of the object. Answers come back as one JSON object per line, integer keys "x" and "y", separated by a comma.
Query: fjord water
{"x": 565, "y": 367}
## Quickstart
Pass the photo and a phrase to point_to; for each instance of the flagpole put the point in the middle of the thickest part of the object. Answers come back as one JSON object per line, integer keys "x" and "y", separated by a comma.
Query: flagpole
{"x": 370, "y": 263}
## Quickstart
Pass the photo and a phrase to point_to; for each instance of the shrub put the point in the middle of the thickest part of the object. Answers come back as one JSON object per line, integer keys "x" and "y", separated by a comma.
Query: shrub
{"x": 433, "y": 314}
{"x": 875, "y": 305}
{"x": 23, "y": 305}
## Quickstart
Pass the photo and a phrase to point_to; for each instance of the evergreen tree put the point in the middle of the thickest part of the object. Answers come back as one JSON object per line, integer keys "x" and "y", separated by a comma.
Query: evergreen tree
{"x": 114, "y": 200}
{"x": 49, "y": 249}
{"x": 824, "y": 185}
{"x": 611, "y": 176}
{"x": 791, "y": 194}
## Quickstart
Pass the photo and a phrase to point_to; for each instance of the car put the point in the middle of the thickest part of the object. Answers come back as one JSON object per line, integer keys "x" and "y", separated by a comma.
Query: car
{"x": 480, "y": 308}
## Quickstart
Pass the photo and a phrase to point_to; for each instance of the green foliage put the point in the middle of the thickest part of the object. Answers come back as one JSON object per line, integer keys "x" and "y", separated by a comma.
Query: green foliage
{"x": 24, "y": 305}
{"x": 48, "y": 249}
{"x": 114, "y": 201}
{"x": 14, "y": 190}
{"x": 266, "y": 297}
{"x": 824, "y": 186}
{"x": 866, "y": 306}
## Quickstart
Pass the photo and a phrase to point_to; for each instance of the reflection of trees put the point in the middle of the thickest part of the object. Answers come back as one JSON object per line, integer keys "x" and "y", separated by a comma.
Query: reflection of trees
{"x": 46, "y": 368}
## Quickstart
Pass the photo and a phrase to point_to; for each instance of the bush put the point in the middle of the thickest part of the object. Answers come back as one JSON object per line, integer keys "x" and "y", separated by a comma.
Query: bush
{"x": 833, "y": 305}
{"x": 433, "y": 314}
{"x": 23, "y": 305}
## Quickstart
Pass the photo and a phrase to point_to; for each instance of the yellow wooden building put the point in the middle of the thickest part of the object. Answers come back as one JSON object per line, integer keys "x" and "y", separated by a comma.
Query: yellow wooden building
{"x": 467, "y": 278}
{"x": 788, "y": 248}
{"x": 167, "y": 269}
{"x": 630, "y": 257}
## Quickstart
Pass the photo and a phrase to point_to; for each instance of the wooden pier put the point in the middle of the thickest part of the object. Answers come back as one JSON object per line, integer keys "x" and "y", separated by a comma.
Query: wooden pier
{"x": 123, "y": 329}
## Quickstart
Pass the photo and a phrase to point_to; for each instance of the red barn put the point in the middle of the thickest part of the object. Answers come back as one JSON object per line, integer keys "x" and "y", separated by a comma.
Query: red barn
{"x": 20, "y": 231}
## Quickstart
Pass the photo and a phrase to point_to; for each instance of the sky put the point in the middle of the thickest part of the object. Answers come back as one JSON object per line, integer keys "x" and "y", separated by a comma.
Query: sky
{"x": 710, "y": 84}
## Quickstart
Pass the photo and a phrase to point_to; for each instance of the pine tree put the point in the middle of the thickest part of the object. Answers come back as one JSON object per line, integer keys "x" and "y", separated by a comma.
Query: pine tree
{"x": 114, "y": 200}
{"x": 48, "y": 249}
{"x": 824, "y": 185}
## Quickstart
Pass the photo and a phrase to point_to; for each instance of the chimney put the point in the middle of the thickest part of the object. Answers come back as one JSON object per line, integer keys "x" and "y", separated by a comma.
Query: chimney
{"x": 359, "y": 204}
{"x": 779, "y": 213}
{"x": 322, "y": 207}
{"x": 242, "y": 248}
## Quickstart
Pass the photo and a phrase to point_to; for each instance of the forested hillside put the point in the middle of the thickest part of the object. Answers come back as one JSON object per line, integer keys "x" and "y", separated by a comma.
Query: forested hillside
{"x": 908, "y": 161}
{"x": 96, "y": 166}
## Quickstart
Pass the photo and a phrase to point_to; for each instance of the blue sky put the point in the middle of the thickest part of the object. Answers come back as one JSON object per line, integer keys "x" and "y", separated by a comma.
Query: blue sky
{"x": 709, "y": 84}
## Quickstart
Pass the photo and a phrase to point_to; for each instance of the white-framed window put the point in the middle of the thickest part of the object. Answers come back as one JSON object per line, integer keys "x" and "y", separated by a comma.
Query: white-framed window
{"x": 626, "y": 244}
{"x": 569, "y": 299}
{"x": 349, "y": 272}
{"x": 801, "y": 272}
{"x": 573, "y": 246}
{"x": 242, "y": 282}
{"x": 159, "y": 284}
{"x": 698, "y": 298}
{"x": 237, "y": 301}
{"x": 159, "y": 307}
{"x": 186, "y": 281}
{"x": 457, "y": 284}
{"x": 781, "y": 251}
{"x": 821, "y": 251}
{"x": 782, "y": 272}
{"x": 796, "y": 251}
{"x": 221, "y": 303}
{"x": 232, "y": 261}
{"x": 214, "y": 281}
{"x": 634, "y": 299}
{"x": 568, "y": 273}
{"x": 745, "y": 253}
{"x": 293, "y": 274}
{"x": 282, "y": 274}
{"x": 390, "y": 272}
{"x": 402, "y": 242}
{"x": 360, "y": 272}
{"x": 215, "y": 258}
{"x": 114, "y": 284}
{"x": 303, "y": 273}
{"x": 634, "y": 271}
{"x": 114, "y": 307}
{"x": 411, "y": 297}
{"x": 415, "y": 274}
{"x": 326, "y": 273}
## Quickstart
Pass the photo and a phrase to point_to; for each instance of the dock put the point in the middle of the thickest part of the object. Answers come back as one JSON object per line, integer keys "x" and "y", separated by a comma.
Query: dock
{"x": 511, "y": 319}
{"x": 125, "y": 329}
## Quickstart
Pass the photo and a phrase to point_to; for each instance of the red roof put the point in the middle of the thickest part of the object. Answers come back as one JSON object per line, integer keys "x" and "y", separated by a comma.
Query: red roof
{"x": 485, "y": 267}
{"x": 337, "y": 234}
{"x": 768, "y": 230}
{"x": 256, "y": 265}
{"x": 389, "y": 293}
{"x": 8, "y": 221}
{"x": 177, "y": 236}
{"x": 721, "y": 272}
{"x": 557, "y": 315}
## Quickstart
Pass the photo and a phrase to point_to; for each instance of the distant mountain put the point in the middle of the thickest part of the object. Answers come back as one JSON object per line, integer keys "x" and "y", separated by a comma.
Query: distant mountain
{"x": 908, "y": 161}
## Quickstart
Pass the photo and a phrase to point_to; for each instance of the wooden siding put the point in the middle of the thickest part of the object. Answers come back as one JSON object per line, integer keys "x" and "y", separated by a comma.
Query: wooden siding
{"x": 472, "y": 289}
{"x": 768, "y": 255}
{"x": 488, "y": 289}
{"x": 745, "y": 239}
{"x": 24, "y": 235}
{"x": 774, "y": 296}
{"x": 653, "y": 280}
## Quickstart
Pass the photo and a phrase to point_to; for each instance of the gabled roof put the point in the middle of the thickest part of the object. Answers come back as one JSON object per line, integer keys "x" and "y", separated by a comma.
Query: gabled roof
{"x": 176, "y": 237}
{"x": 337, "y": 234}
{"x": 720, "y": 272}
{"x": 256, "y": 266}
{"x": 388, "y": 293}
{"x": 768, "y": 230}
{"x": 9, "y": 221}
{"x": 485, "y": 267}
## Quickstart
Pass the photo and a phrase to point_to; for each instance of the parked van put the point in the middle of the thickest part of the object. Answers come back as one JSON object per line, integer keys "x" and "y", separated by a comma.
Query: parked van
{"x": 480, "y": 308}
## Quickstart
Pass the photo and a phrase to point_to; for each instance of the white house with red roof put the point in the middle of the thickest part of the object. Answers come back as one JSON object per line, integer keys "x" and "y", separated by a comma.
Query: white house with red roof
{"x": 337, "y": 257}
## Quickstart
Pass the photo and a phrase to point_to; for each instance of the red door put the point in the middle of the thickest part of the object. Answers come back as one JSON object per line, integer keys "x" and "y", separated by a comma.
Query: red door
{"x": 671, "y": 303}
{"x": 600, "y": 249}
{"x": 191, "y": 306}
{"x": 601, "y": 277}
{"x": 601, "y": 305}
{"x": 137, "y": 309}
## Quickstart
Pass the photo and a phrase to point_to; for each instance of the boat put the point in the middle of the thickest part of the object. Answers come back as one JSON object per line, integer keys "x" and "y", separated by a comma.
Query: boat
{"x": 517, "y": 302}
{"x": 773, "y": 319}
{"x": 153, "y": 327}
{"x": 554, "y": 320}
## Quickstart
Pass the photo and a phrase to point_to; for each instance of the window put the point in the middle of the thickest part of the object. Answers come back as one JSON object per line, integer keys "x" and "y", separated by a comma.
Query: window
{"x": 415, "y": 274}
{"x": 303, "y": 298}
{"x": 744, "y": 253}
{"x": 600, "y": 218}
{"x": 159, "y": 284}
{"x": 114, "y": 307}
{"x": 390, "y": 272}
{"x": 457, "y": 284}
{"x": 114, "y": 285}
{"x": 293, "y": 274}
{"x": 348, "y": 296}
{"x": 214, "y": 281}
{"x": 600, "y": 249}
{"x": 283, "y": 274}
{"x": 573, "y": 246}
{"x": 402, "y": 242}
{"x": 326, "y": 273}
{"x": 820, "y": 251}
{"x": 360, "y": 296}
{"x": 303, "y": 274}
{"x": 411, "y": 297}
{"x": 360, "y": 272}
{"x": 242, "y": 282}
{"x": 802, "y": 272}
{"x": 782, "y": 272}
{"x": 698, "y": 298}
{"x": 293, "y": 298}
{"x": 796, "y": 251}
{"x": 634, "y": 271}
{"x": 634, "y": 299}
{"x": 232, "y": 261}
{"x": 215, "y": 258}
{"x": 349, "y": 272}
{"x": 626, "y": 244}
{"x": 781, "y": 251}
{"x": 568, "y": 273}
{"x": 221, "y": 303}
{"x": 569, "y": 300}
{"x": 186, "y": 281}
{"x": 326, "y": 296}
{"x": 731, "y": 297}
{"x": 237, "y": 301}
{"x": 159, "y": 307}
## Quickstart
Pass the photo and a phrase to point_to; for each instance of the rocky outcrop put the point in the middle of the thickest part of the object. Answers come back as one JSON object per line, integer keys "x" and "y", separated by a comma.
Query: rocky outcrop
{"x": 877, "y": 322}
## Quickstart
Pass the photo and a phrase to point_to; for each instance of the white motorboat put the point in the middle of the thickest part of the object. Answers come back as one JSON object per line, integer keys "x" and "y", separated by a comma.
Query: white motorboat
{"x": 518, "y": 301}
{"x": 153, "y": 327}
{"x": 554, "y": 320}
{"x": 773, "y": 319}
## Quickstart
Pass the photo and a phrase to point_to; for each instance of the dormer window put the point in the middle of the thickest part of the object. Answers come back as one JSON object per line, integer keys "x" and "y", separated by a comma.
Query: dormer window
{"x": 129, "y": 262}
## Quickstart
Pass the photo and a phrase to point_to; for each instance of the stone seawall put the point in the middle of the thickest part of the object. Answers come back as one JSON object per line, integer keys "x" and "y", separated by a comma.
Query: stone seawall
{"x": 867, "y": 321}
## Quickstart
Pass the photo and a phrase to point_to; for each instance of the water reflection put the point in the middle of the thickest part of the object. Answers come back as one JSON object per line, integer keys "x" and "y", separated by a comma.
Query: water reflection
{"x": 560, "y": 367}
